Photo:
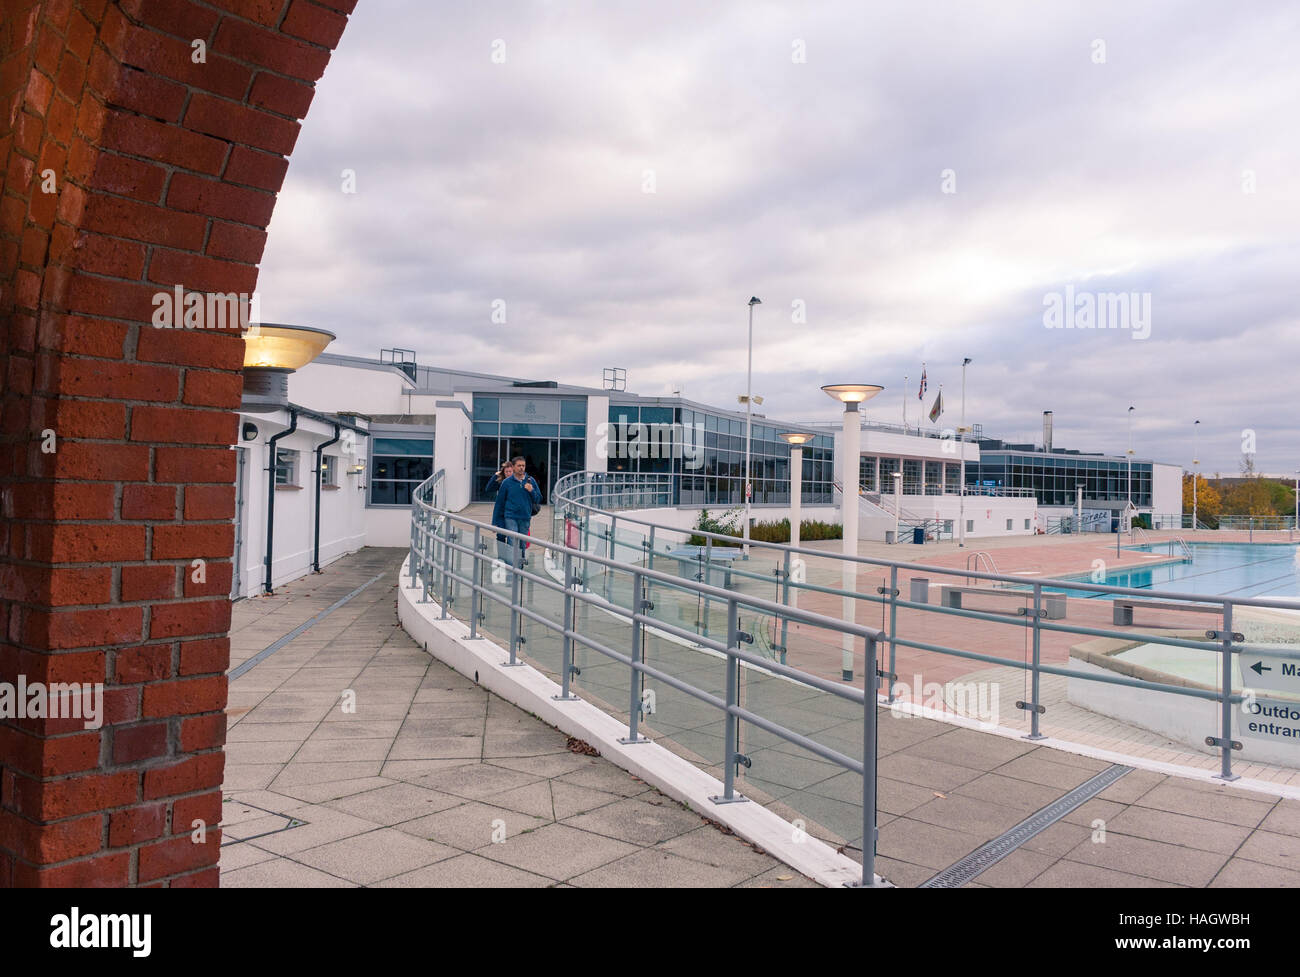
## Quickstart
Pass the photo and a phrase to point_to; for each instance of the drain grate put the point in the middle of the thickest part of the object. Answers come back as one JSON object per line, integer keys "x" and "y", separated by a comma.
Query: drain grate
{"x": 280, "y": 642}
{"x": 988, "y": 854}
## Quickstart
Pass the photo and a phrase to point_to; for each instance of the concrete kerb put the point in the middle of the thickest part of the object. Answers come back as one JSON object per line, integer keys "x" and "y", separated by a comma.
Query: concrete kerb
{"x": 482, "y": 661}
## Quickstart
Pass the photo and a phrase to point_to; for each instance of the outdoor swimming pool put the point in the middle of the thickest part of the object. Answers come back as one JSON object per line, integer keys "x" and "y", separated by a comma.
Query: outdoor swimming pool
{"x": 1218, "y": 569}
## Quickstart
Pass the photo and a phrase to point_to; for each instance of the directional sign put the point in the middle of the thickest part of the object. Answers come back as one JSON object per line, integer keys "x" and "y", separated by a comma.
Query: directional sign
{"x": 1271, "y": 719}
{"x": 1270, "y": 672}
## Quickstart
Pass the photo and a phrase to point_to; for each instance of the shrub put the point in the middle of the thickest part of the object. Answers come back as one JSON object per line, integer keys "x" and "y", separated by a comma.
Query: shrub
{"x": 765, "y": 532}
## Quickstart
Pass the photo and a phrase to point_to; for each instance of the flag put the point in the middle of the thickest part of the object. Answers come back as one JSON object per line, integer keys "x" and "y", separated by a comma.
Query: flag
{"x": 937, "y": 409}
{"x": 920, "y": 394}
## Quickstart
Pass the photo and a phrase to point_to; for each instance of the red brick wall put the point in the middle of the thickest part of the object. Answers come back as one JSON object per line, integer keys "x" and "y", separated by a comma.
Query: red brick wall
{"x": 165, "y": 172}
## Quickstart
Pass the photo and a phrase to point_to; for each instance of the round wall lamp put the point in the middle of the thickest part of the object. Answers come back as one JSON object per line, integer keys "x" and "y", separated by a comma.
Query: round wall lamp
{"x": 250, "y": 431}
{"x": 272, "y": 351}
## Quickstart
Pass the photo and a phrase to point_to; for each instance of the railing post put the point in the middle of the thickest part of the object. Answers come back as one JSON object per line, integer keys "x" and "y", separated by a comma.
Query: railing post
{"x": 705, "y": 574}
{"x": 893, "y": 628}
{"x": 638, "y": 639}
{"x": 650, "y": 560}
{"x": 566, "y": 642}
{"x": 448, "y": 536}
{"x": 1035, "y": 710}
{"x": 415, "y": 522}
{"x": 515, "y": 560}
{"x": 426, "y": 561}
{"x": 1225, "y": 742}
{"x": 476, "y": 577}
{"x": 609, "y": 553}
{"x": 870, "y": 715}
{"x": 729, "y": 759}
{"x": 785, "y": 602}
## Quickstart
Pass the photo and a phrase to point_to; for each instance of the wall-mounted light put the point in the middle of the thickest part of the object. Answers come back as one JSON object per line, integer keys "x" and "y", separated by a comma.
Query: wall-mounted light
{"x": 272, "y": 351}
{"x": 250, "y": 431}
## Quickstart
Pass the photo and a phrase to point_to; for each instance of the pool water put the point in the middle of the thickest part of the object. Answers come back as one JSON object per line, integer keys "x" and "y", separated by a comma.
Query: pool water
{"x": 1218, "y": 569}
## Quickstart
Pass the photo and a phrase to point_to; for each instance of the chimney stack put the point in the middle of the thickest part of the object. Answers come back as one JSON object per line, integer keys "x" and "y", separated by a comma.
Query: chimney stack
{"x": 1047, "y": 430}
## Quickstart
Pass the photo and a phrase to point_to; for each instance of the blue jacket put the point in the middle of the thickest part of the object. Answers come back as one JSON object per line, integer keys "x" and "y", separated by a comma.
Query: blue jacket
{"x": 515, "y": 501}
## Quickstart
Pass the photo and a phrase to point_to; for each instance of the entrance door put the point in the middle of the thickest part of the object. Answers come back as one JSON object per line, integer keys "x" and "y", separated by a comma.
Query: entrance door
{"x": 536, "y": 453}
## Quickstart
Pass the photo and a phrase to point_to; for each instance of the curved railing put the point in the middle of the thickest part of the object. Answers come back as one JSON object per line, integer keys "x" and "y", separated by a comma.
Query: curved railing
{"x": 664, "y": 626}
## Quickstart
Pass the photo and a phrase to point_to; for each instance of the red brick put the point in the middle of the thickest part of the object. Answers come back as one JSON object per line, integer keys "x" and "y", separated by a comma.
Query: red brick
{"x": 217, "y": 199}
{"x": 204, "y": 274}
{"x": 87, "y": 419}
{"x": 65, "y": 501}
{"x": 119, "y": 381}
{"x": 239, "y": 123}
{"x": 89, "y": 628}
{"x": 57, "y": 842}
{"x": 192, "y": 774}
{"x": 52, "y": 800}
{"x": 170, "y": 425}
{"x": 148, "y": 582}
{"x": 191, "y": 347}
{"x": 174, "y": 58}
{"x": 136, "y": 825}
{"x": 256, "y": 169}
{"x": 209, "y": 502}
{"x": 104, "y": 871}
{"x": 178, "y": 855}
{"x": 208, "y": 878}
{"x": 146, "y": 663}
{"x": 191, "y": 465}
{"x": 237, "y": 242}
{"x": 157, "y": 503}
{"x": 189, "y": 618}
{"x": 144, "y": 222}
{"x": 270, "y": 49}
{"x": 179, "y": 17}
{"x": 216, "y": 582}
{"x": 84, "y": 336}
{"x": 314, "y": 23}
{"x": 110, "y": 297}
{"x": 80, "y": 543}
{"x": 165, "y": 143}
{"x": 100, "y": 462}
{"x": 187, "y": 810}
{"x": 186, "y": 542}
{"x": 135, "y": 743}
{"x": 210, "y": 655}
{"x": 265, "y": 12}
{"x": 281, "y": 95}
{"x": 203, "y": 732}
{"x": 129, "y": 177}
{"x": 208, "y": 389}
{"x": 79, "y": 585}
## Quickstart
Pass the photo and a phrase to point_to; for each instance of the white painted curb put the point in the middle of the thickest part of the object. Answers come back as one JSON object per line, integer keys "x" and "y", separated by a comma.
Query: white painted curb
{"x": 482, "y": 661}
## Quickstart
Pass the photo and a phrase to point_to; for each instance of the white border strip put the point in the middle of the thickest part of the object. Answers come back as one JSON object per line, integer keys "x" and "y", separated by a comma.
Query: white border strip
{"x": 482, "y": 661}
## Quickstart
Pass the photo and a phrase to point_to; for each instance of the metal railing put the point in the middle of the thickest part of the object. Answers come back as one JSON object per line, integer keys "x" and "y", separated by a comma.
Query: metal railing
{"x": 608, "y": 561}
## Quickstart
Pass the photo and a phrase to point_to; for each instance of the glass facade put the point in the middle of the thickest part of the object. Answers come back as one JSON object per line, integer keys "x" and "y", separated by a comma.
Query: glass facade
{"x": 397, "y": 465}
{"x": 919, "y": 477}
{"x": 707, "y": 449}
{"x": 1053, "y": 478}
{"x": 550, "y": 433}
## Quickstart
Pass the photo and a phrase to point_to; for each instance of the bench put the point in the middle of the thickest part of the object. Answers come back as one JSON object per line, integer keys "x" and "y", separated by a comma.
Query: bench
{"x": 1123, "y": 609}
{"x": 1053, "y": 604}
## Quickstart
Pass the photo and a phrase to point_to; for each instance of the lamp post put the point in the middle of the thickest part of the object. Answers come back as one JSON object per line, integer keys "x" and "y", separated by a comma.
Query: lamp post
{"x": 1196, "y": 426}
{"x": 749, "y": 408}
{"x": 961, "y": 487}
{"x": 850, "y": 395}
{"x": 898, "y": 498}
{"x": 1130, "y": 457}
{"x": 796, "y": 441}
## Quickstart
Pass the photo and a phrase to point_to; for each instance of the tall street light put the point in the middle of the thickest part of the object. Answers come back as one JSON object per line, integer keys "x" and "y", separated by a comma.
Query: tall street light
{"x": 850, "y": 395}
{"x": 1196, "y": 426}
{"x": 749, "y": 409}
{"x": 796, "y": 441}
{"x": 1130, "y": 457}
{"x": 961, "y": 431}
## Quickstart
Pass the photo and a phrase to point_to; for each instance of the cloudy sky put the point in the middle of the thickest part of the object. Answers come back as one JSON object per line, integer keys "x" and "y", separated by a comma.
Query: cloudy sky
{"x": 898, "y": 183}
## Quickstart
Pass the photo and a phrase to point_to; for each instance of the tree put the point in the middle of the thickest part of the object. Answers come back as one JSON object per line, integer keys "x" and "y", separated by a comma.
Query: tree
{"x": 1251, "y": 498}
{"x": 1209, "y": 504}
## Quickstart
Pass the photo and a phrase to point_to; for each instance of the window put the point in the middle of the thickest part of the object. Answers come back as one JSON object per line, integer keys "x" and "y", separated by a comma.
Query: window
{"x": 1026, "y": 523}
{"x": 397, "y": 466}
{"x": 970, "y": 525}
{"x": 329, "y": 471}
{"x": 286, "y": 467}
{"x": 1008, "y": 525}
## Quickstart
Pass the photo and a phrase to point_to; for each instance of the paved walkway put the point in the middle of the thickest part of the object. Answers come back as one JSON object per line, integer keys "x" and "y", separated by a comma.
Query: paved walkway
{"x": 428, "y": 780}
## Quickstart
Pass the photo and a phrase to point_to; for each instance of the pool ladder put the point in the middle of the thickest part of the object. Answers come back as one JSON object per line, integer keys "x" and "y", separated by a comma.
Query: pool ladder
{"x": 1182, "y": 545}
{"x": 982, "y": 558}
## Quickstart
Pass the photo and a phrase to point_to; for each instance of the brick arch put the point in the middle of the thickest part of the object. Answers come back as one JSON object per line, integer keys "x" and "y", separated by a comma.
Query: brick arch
{"x": 165, "y": 172}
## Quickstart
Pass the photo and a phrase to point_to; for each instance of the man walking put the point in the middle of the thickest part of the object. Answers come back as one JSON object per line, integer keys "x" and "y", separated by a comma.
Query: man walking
{"x": 517, "y": 500}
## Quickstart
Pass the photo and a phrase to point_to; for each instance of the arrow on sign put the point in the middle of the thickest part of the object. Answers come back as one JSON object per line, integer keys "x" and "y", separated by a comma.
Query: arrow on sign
{"x": 1259, "y": 668}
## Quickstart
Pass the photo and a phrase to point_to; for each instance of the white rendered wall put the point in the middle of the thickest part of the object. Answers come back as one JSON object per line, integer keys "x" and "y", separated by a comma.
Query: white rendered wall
{"x": 451, "y": 452}
{"x": 331, "y": 388}
{"x": 1166, "y": 489}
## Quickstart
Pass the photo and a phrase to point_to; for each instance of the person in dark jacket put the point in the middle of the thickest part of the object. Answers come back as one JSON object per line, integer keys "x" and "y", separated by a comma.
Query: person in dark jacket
{"x": 514, "y": 510}
{"x": 494, "y": 483}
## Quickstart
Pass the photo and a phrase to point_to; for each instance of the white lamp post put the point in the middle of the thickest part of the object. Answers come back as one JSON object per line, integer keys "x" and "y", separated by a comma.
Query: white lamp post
{"x": 850, "y": 395}
{"x": 1130, "y": 456}
{"x": 749, "y": 407}
{"x": 961, "y": 431}
{"x": 796, "y": 442}
{"x": 898, "y": 497}
{"x": 1196, "y": 426}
